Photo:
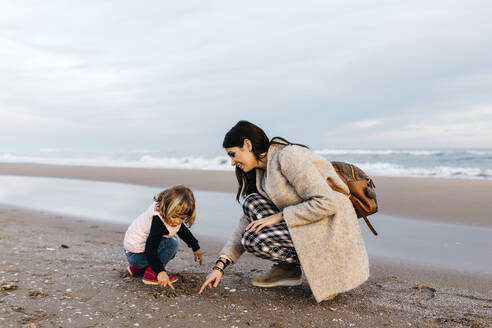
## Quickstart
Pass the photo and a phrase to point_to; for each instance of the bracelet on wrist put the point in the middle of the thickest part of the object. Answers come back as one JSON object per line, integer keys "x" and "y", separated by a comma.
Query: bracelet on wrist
{"x": 218, "y": 269}
{"x": 221, "y": 261}
{"x": 224, "y": 260}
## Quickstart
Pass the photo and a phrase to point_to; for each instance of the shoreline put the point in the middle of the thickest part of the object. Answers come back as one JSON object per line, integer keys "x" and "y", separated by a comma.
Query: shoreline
{"x": 458, "y": 201}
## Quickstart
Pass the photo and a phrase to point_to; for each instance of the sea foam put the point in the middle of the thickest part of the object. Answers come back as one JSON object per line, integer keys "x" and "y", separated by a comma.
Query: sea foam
{"x": 466, "y": 164}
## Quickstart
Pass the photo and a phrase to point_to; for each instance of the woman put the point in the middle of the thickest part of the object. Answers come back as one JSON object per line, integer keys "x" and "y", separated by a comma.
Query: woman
{"x": 292, "y": 217}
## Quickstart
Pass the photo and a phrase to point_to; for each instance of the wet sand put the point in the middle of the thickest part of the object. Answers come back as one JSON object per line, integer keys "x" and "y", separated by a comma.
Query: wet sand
{"x": 60, "y": 271}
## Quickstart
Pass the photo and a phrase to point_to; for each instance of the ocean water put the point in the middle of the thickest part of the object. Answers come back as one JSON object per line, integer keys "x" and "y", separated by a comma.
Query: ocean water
{"x": 438, "y": 163}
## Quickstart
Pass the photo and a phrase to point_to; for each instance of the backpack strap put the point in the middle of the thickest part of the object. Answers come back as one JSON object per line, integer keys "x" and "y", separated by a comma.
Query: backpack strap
{"x": 353, "y": 173}
{"x": 340, "y": 190}
{"x": 357, "y": 207}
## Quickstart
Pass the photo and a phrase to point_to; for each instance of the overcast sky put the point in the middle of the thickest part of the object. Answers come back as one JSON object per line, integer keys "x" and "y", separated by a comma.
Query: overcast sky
{"x": 176, "y": 76}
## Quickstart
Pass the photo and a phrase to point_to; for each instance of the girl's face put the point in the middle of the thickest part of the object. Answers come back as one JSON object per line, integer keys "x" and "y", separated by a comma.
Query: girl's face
{"x": 242, "y": 157}
{"x": 174, "y": 222}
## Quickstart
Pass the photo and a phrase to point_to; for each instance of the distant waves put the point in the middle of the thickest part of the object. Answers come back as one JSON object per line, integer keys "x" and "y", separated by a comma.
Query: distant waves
{"x": 395, "y": 170}
{"x": 465, "y": 164}
{"x": 147, "y": 161}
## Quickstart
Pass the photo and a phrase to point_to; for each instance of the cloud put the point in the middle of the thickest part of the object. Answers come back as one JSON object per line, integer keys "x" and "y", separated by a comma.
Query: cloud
{"x": 432, "y": 130}
{"x": 15, "y": 120}
{"x": 476, "y": 113}
{"x": 191, "y": 69}
{"x": 466, "y": 127}
{"x": 365, "y": 124}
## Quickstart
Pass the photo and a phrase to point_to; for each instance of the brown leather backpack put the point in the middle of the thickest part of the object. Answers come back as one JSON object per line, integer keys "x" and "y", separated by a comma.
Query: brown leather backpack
{"x": 362, "y": 190}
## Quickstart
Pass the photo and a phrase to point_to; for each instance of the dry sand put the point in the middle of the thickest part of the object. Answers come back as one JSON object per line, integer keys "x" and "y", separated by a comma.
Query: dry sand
{"x": 59, "y": 271}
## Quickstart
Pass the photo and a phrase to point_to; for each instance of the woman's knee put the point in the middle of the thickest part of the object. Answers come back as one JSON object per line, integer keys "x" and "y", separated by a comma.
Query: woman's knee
{"x": 256, "y": 207}
{"x": 248, "y": 204}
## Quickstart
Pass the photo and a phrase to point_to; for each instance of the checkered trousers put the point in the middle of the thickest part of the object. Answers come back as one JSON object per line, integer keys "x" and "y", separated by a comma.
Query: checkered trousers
{"x": 272, "y": 243}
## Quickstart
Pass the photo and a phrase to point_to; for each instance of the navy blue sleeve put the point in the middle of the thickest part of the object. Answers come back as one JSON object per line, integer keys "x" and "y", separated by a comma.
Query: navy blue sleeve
{"x": 185, "y": 234}
{"x": 157, "y": 230}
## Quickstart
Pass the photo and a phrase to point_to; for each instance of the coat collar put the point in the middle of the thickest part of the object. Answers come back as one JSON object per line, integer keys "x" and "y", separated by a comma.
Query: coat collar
{"x": 260, "y": 173}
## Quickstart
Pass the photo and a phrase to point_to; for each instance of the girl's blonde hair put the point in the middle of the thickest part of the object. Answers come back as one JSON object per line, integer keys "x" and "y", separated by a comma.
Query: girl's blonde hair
{"x": 176, "y": 202}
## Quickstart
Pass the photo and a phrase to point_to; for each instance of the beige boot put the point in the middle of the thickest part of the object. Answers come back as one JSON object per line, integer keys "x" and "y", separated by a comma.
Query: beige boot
{"x": 331, "y": 297}
{"x": 281, "y": 274}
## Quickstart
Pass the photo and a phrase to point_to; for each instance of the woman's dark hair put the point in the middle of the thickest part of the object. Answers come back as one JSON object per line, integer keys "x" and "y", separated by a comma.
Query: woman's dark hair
{"x": 260, "y": 144}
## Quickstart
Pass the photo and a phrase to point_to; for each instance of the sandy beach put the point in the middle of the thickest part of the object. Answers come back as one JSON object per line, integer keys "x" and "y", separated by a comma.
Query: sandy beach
{"x": 61, "y": 271}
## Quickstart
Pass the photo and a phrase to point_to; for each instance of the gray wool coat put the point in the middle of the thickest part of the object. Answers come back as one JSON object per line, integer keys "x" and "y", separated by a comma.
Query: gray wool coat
{"x": 322, "y": 223}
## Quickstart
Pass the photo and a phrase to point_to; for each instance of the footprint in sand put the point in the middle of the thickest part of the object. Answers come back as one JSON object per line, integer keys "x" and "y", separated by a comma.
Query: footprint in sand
{"x": 37, "y": 293}
{"x": 425, "y": 291}
{"x": 8, "y": 287}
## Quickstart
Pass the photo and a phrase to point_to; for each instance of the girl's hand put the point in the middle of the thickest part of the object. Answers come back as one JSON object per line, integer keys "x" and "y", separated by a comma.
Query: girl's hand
{"x": 212, "y": 281}
{"x": 198, "y": 256}
{"x": 163, "y": 280}
{"x": 265, "y": 222}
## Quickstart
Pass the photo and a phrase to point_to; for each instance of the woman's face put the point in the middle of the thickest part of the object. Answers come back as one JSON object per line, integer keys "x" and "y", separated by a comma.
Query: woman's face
{"x": 242, "y": 157}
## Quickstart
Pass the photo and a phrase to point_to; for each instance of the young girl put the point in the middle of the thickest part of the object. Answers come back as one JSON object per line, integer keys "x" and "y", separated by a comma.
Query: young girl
{"x": 151, "y": 242}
